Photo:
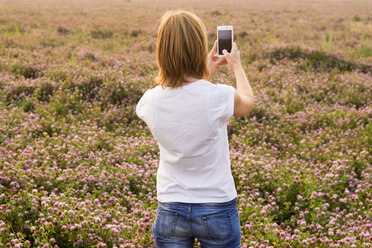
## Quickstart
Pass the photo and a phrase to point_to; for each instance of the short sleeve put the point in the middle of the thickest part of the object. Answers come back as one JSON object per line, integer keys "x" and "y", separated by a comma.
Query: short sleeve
{"x": 221, "y": 104}
{"x": 143, "y": 106}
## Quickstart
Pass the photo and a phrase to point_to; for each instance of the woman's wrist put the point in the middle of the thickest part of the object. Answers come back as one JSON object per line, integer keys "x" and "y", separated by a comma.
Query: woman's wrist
{"x": 211, "y": 71}
{"x": 237, "y": 67}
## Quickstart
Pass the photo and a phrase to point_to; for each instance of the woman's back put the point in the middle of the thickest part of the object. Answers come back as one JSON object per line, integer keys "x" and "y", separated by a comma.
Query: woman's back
{"x": 188, "y": 118}
{"x": 190, "y": 125}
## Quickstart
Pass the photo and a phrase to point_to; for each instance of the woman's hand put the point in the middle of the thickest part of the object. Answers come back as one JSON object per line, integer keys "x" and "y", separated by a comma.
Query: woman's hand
{"x": 232, "y": 58}
{"x": 214, "y": 61}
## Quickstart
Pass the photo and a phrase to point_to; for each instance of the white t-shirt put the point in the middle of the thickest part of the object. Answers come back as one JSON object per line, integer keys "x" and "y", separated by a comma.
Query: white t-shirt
{"x": 189, "y": 124}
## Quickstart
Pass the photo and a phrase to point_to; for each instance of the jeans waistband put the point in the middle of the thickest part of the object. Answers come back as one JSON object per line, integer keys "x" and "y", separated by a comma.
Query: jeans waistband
{"x": 229, "y": 204}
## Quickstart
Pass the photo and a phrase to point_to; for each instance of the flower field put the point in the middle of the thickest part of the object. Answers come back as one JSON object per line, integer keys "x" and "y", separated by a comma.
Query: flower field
{"x": 78, "y": 167}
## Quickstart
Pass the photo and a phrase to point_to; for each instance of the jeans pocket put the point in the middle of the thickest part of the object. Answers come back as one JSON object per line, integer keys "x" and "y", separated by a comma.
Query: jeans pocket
{"x": 219, "y": 226}
{"x": 165, "y": 223}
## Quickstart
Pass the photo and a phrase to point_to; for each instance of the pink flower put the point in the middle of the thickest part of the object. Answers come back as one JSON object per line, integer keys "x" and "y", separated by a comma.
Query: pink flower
{"x": 115, "y": 231}
{"x": 248, "y": 226}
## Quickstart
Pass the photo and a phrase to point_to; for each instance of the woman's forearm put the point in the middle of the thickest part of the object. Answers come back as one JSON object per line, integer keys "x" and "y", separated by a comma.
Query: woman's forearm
{"x": 242, "y": 84}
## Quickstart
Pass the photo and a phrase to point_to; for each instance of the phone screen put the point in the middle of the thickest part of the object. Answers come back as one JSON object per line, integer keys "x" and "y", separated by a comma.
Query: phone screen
{"x": 224, "y": 41}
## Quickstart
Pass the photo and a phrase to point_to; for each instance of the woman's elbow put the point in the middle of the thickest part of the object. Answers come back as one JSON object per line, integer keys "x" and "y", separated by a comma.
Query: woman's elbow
{"x": 250, "y": 105}
{"x": 245, "y": 107}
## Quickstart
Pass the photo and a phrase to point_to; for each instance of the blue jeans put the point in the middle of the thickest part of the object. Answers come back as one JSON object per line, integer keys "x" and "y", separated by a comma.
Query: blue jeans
{"x": 214, "y": 225}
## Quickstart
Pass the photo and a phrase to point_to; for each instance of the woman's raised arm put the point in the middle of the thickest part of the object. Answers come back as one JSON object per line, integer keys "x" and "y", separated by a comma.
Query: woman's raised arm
{"x": 244, "y": 98}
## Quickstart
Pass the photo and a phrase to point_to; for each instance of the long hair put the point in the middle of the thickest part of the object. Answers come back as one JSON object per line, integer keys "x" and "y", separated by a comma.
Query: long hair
{"x": 181, "y": 48}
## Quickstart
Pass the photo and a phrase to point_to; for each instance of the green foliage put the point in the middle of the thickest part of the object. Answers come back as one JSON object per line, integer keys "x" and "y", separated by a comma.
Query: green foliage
{"x": 18, "y": 93}
{"x": 51, "y": 42}
{"x": 27, "y": 71}
{"x": 364, "y": 50}
{"x": 28, "y": 105}
{"x": 101, "y": 34}
{"x": 216, "y": 13}
{"x": 63, "y": 30}
{"x": 286, "y": 202}
{"x": 64, "y": 102}
{"x": 11, "y": 31}
{"x": 90, "y": 88}
{"x": 44, "y": 91}
{"x": 117, "y": 93}
{"x": 59, "y": 76}
{"x": 136, "y": 33}
{"x": 316, "y": 60}
{"x": 357, "y": 18}
{"x": 327, "y": 41}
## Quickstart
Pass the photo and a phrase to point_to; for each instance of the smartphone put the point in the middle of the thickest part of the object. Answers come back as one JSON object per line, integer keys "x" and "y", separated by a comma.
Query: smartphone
{"x": 224, "y": 39}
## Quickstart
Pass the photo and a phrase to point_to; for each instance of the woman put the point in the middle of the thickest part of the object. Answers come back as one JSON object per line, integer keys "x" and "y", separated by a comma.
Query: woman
{"x": 188, "y": 117}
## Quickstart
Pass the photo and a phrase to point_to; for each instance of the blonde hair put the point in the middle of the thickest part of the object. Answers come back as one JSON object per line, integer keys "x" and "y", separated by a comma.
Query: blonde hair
{"x": 181, "y": 48}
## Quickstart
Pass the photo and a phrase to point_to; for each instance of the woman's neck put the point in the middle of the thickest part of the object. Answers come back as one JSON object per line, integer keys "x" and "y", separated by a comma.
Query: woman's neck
{"x": 189, "y": 80}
